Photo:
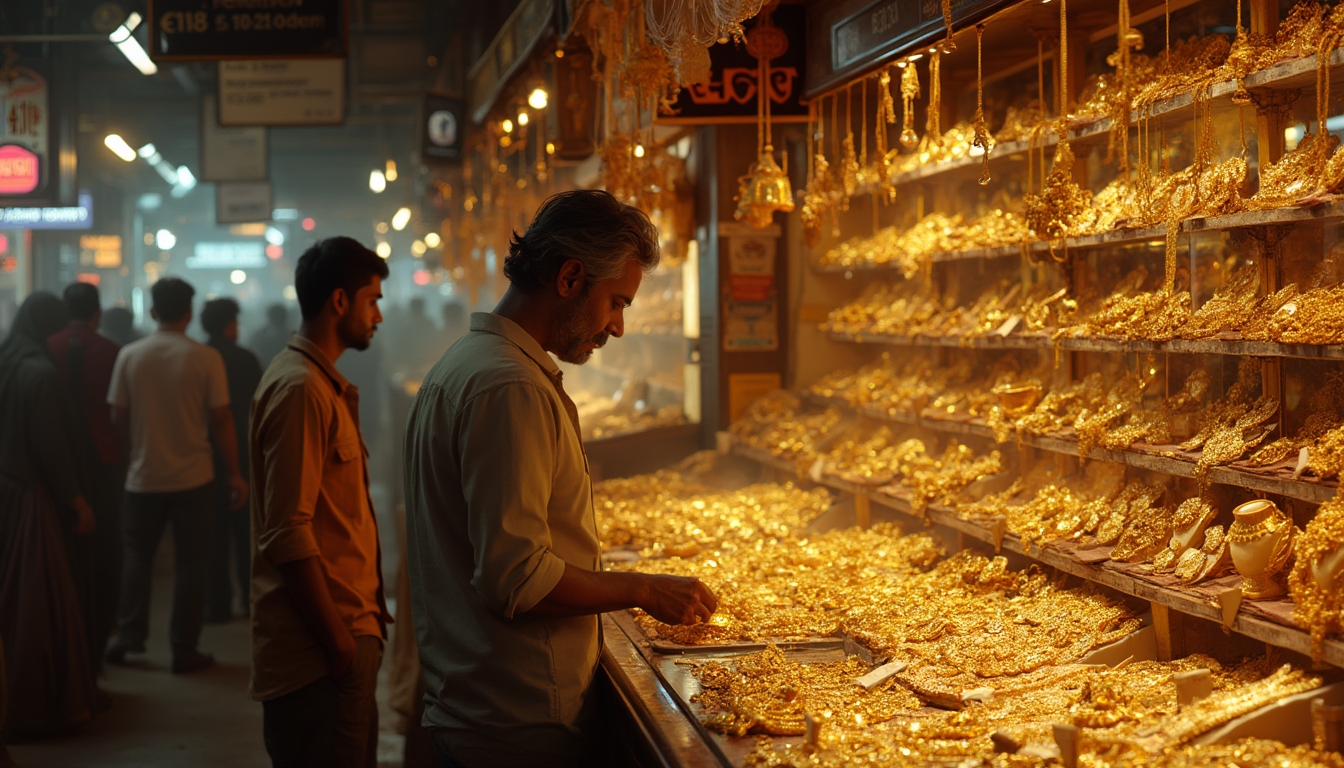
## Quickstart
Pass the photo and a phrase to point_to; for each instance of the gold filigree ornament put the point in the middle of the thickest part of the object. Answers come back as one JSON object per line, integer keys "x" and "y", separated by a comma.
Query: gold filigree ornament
{"x": 1315, "y": 584}
{"x": 909, "y": 92}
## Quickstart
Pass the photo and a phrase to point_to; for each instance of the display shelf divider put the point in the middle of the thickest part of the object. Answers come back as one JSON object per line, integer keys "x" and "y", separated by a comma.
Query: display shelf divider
{"x": 1228, "y": 347}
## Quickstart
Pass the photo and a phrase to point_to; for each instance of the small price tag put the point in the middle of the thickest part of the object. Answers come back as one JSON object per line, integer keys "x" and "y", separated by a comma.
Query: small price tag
{"x": 817, "y": 470}
{"x": 1009, "y": 325}
{"x": 872, "y": 679}
{"x": 1303, "y": 457}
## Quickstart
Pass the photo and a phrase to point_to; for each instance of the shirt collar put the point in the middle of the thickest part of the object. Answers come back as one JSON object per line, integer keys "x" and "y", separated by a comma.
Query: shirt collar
{"x": 488, "y": 322}
{"x": 308, "y": 349}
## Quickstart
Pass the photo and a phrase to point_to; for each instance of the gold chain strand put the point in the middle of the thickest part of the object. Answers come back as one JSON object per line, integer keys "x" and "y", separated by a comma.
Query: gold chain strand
{"x": 909, "y": 92}
{"x": 981, "y": 138}
{"x": 933, "y": 123}
{"x": 948, "y": 46}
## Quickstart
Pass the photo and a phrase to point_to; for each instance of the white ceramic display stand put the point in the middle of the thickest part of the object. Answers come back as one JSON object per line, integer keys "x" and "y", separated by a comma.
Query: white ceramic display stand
{"x": 1140, "y": 645}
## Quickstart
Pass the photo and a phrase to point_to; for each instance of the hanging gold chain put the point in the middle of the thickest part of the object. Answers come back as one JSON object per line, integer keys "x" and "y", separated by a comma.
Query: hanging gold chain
{"x": 982, "y": 138}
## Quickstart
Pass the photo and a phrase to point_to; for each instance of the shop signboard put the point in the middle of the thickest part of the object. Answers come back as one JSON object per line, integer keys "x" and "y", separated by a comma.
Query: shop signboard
{"x": 230, "y": 154}
{"x": 25, "y": 134}
{"x": 100, "y": 251}
{"x": 729, "y": 95}
{"x": 57, "y": 217}
{"x": 751, "y": 311}
{"x": 441, "y": 129}
{"x": 238, "y": 202}
{"x": 245, "y": 254}
{"x": 196, "y": 30}
{"x": 852, "y": 36}
{"x": 282, "y": 92}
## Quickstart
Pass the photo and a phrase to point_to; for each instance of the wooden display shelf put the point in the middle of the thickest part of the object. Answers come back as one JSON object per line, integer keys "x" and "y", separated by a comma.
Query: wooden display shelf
{"x": 1252, "y": 620}
{"x": 1329, "y": 210}
{"x": 1231, "y": 347}
{"x": 1313, "y": 491}
{"x": 1297, "y": 73}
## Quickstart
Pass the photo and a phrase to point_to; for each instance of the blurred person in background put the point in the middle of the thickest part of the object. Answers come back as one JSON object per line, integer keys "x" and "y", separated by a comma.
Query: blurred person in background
{"x": 50, "y": 683}
{"x": 219, "y": 318}
{"x": 85, "y": 359}
{"x": 319, "y": 617}
{"x": 171, "y": 394}
{"x": 119, "y": 325}
{"x": 271, "y": 338}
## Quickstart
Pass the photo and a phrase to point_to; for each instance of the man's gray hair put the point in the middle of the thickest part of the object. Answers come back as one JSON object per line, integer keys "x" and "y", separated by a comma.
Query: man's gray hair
{"x": 589, "y": 225}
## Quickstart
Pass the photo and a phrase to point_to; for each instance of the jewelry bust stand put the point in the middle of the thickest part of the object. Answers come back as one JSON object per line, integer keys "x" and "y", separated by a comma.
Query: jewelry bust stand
{"x": 1261, "y": 541}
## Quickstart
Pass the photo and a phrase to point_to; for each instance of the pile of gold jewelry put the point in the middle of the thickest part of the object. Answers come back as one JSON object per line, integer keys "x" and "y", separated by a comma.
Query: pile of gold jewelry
{"x": 777, "y": 424}
{"x": 901, "y": 309}
{"x": 666, "y": 514}
{"x": 1318, "y": 599}
{"x": 914, "y": 248}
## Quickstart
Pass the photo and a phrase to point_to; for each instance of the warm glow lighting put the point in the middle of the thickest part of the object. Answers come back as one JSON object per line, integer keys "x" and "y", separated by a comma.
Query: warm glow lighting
{"x": 165, "y": 239}
{"x": 401, "y": 218}
{"x": 381, "y": 228}
{"x": 119, "y": 147}
{"x": 391, "y": 172}
{"x": 433, "y": 240}
{"x": 639, "y": 150}
{"x": 309, "y": 225}
{"x": 237, "y": 277}
{"x": 507, "y": 125}
{"x": 274, "y": 252}
{"x": 418, "y": 248}
{"x": 421, "y": 277}
{"x": 377, "y": 181}
{"x": 538, "y": 98}
{"x": 383, "y": 249}
{"x": 125, "y": 41}
{"x": 559, "y": 53}
{"x": 522, "y": 118}
{"x": 550, "y": 148}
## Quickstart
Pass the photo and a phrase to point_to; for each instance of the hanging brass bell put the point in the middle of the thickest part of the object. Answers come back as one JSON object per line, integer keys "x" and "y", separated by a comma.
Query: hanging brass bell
{"x": 764, "y": 190}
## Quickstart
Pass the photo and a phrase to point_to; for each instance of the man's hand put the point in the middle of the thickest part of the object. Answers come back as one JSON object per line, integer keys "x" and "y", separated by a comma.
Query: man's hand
{"x": 678, "y": 599}
{"x": 341, "y": 656}
{"x": 237, "y": 491}
{"x": 84, "y": 522}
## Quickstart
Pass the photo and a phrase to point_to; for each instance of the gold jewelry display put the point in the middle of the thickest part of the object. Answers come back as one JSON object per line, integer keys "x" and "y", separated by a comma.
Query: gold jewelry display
{"x": 982, "y": 139}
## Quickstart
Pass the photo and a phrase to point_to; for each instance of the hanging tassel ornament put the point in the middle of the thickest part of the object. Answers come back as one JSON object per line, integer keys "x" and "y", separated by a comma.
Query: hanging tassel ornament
{"x": 849, "y": 168}
{"x": 947, "y": 45}
{"x": 909, "y": 92}
{"x": 982, "y": 138}
{"x": 886, "y": 115}
{"x": 766, "y": 188}
{"x": 933, "y": 129}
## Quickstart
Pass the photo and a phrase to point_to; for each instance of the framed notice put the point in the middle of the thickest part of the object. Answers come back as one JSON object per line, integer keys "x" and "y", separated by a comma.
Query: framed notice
{"x": 239, "y": 202}
{"x": 230, "y": 154}
{"x": 729, "y": 95}
{"x": 196, "y": 30}
{"x": 282, "y": 92}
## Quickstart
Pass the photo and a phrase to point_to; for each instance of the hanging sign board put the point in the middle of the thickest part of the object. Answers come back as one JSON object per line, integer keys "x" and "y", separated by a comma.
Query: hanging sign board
{"x": 195, "y": 30}
{"x": 25, "y": 134}
{"x": 282, "y": 92}
{"x": 61, "y": 217}
{"x": 237, "y": 202}
{"x": 230, "y": 154}
{"x": 853, "y": 36}
{"x": 507, "y": 52}
{"x": 100, "y": 251}
{"x": 228, "y": 255}
{"x": 729, "y": 96}
{"x": 750, "y": 308}
{"x": 441, "y": 129}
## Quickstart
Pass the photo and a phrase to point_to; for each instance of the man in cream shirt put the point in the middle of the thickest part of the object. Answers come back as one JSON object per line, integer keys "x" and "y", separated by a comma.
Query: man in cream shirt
{"x": 504, "y": 560}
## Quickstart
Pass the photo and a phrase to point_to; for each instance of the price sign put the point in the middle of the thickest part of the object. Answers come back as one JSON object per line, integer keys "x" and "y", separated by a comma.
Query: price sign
{"x": 282, "y": 92}
{"x": 187, "y": 30}
{"x": 25, "y": 130}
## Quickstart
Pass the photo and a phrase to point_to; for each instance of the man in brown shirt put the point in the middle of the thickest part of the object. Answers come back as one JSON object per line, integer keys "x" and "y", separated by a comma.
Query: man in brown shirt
{"x": 318, "y": 614}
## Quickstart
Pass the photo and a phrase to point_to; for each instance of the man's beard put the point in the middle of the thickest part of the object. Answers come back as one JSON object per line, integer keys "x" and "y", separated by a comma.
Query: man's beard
{"x": 352, "y": 335}
{"x": 571, "y": 336}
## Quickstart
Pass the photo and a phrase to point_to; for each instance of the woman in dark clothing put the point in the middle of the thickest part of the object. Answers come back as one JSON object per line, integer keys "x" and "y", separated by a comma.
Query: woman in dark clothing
{"x": 50, "y": 683}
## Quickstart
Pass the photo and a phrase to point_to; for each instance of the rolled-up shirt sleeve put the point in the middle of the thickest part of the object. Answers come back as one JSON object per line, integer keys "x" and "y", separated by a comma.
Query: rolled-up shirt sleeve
{"x": 291, "y": 438}
{"x": 508, "y": 442}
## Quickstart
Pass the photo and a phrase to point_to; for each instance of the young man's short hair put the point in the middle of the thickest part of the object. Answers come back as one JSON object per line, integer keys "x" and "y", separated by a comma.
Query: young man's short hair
{"x": 83, "y": 301}
{"x": 217, "y": 314}
{"x": 172, "y": 299}
{"x": 585, "y": 224}
{"x": 337, "y": 262}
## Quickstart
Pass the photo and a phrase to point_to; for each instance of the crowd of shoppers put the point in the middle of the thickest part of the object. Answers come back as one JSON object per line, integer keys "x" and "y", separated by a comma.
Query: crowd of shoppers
{"x": 258, "y": 463}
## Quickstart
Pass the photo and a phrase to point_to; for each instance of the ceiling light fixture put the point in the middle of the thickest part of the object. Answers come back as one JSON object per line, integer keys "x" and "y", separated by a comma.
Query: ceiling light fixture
{"x": 124, "y": 39}
{"x": 377, "y": 182}
{"x": 119, "y": 147}
{"x": 401, "y": 218}
{"x": 538, "y": 98}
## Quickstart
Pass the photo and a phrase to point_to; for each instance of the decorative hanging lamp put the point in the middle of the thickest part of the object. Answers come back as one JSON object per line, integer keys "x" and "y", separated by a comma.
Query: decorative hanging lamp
{"x": 765, "y": 188}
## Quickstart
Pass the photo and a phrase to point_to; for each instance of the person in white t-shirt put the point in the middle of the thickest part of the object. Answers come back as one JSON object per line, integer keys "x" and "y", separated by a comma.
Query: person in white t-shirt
{"x": 170, "y": 396}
